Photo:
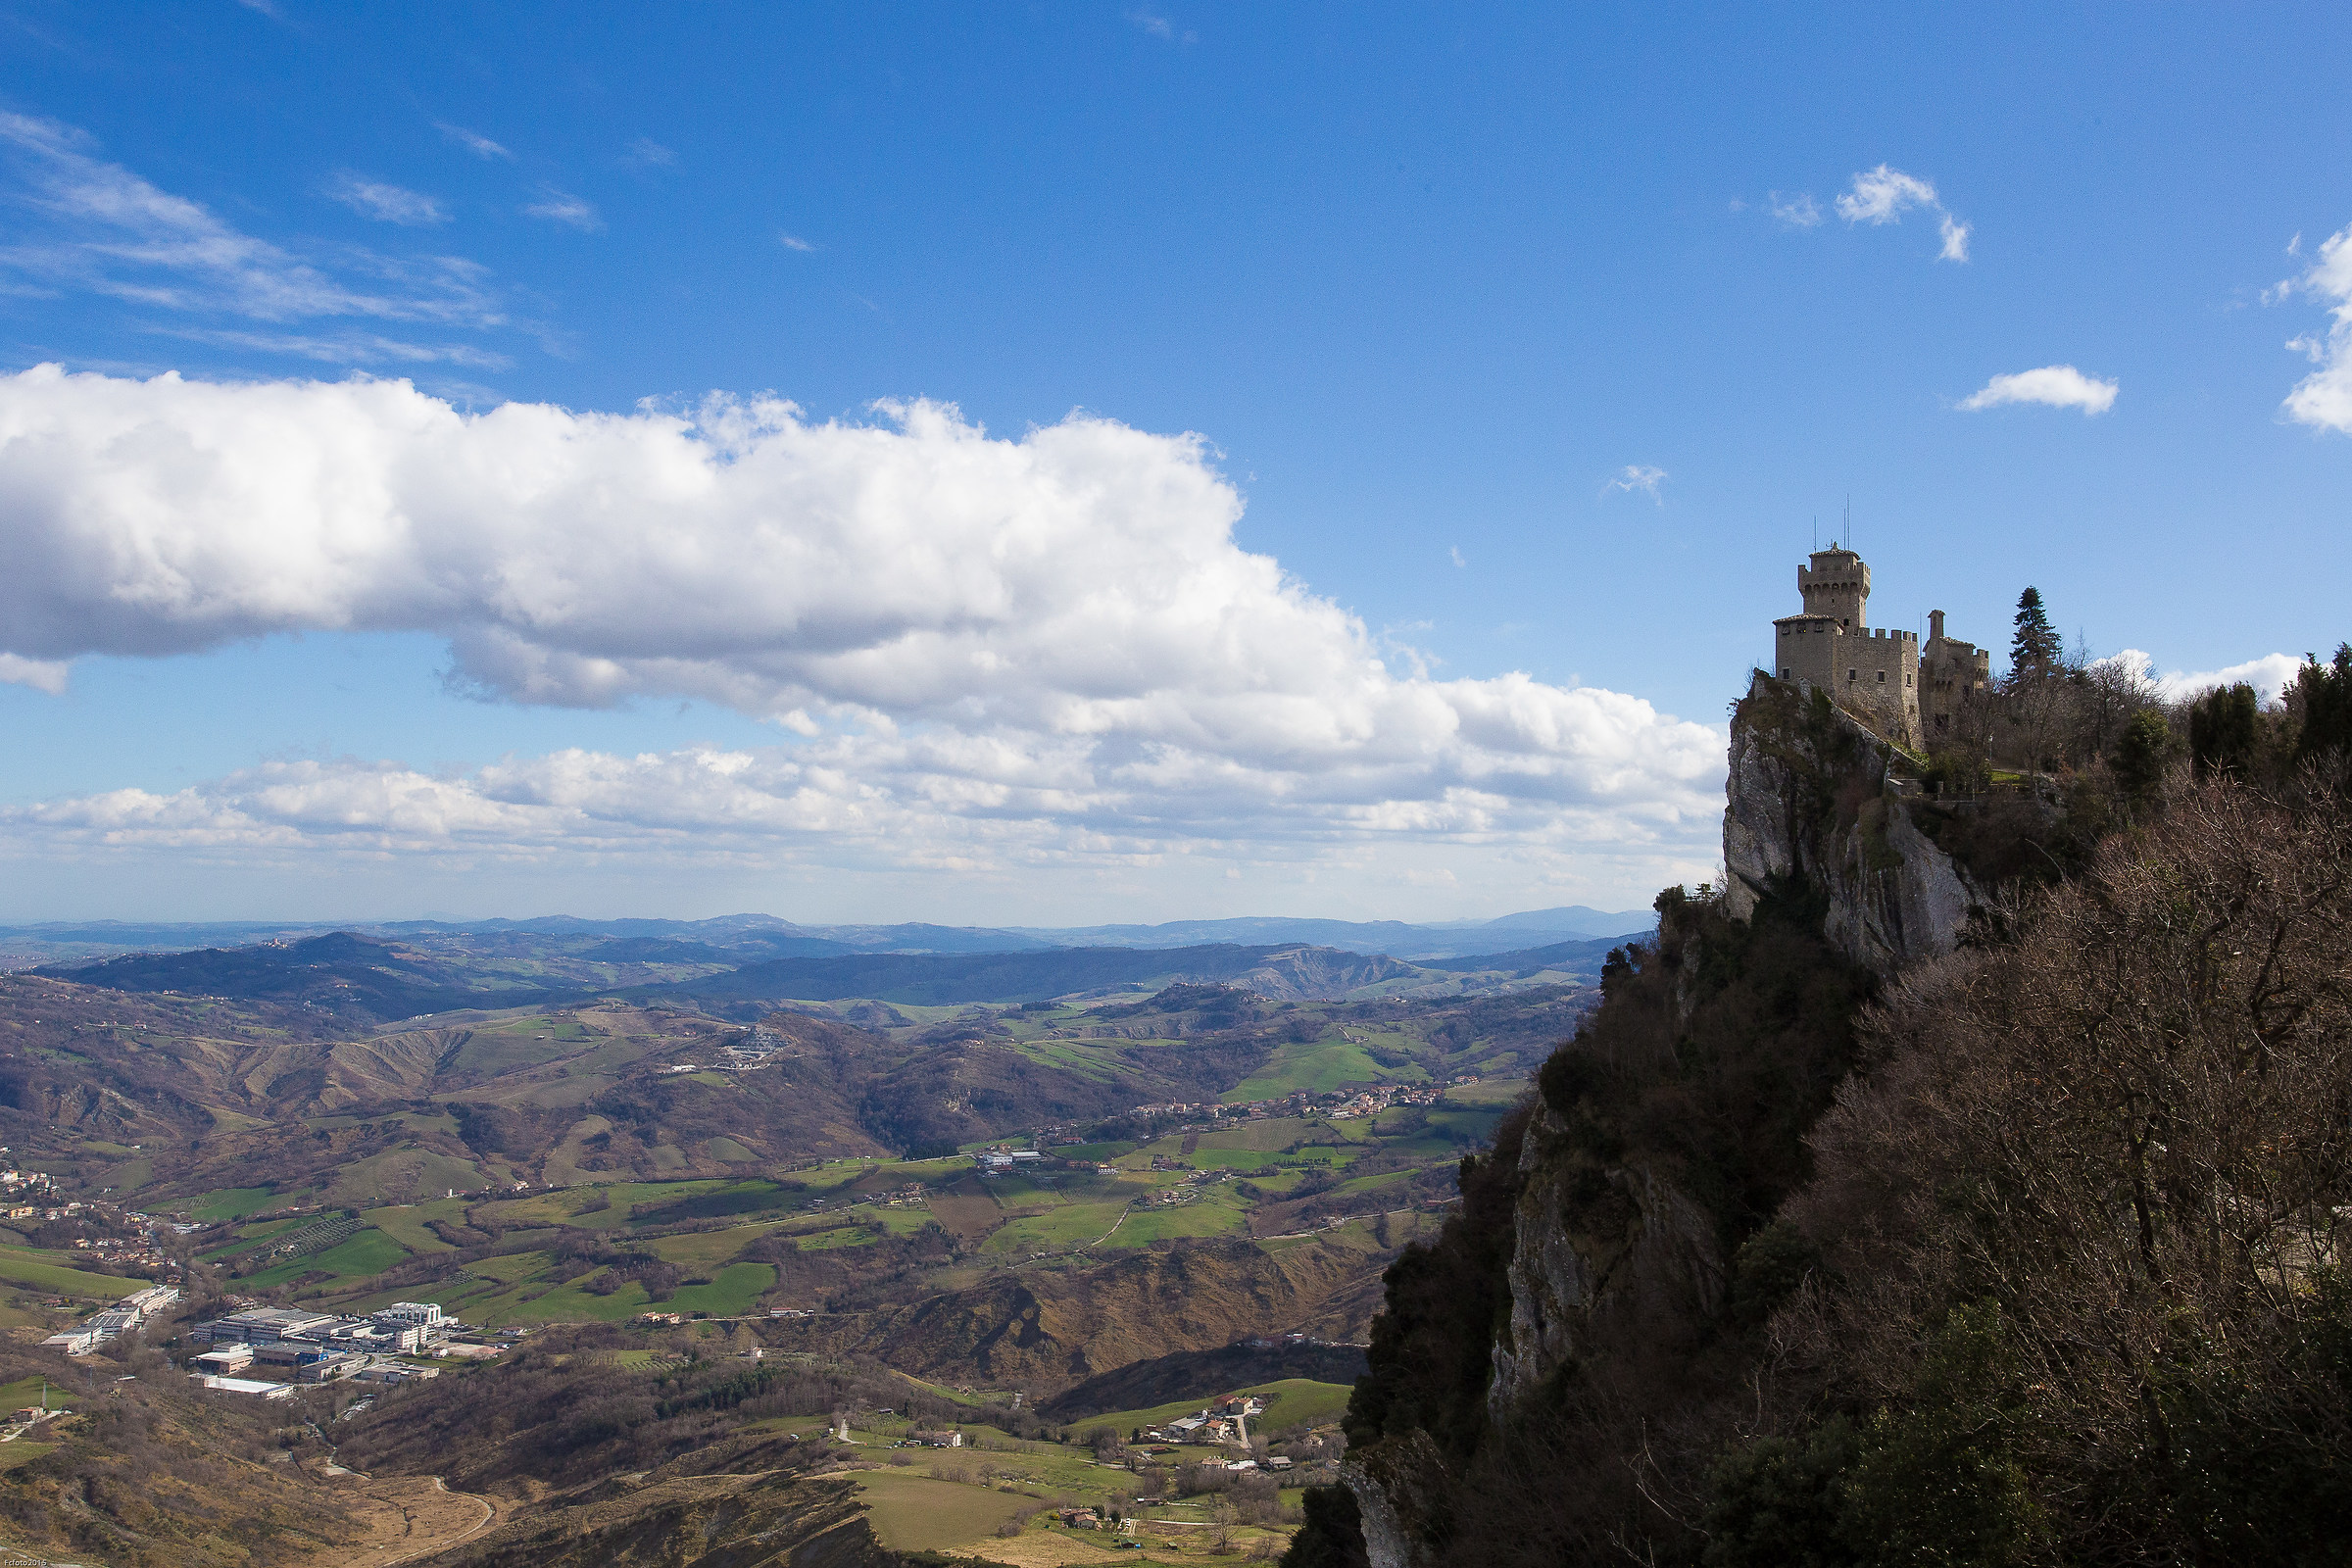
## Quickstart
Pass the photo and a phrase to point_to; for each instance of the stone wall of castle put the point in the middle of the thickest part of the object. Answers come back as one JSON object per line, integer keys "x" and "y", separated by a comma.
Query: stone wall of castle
{"x": 1950, "y": 669}
{"x": 1876, "y": 674}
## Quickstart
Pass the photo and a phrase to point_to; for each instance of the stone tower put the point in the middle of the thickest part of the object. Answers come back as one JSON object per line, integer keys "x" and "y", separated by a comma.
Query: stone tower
{"x": 1837, "y": 586}
{"x": 1872, "y": 675}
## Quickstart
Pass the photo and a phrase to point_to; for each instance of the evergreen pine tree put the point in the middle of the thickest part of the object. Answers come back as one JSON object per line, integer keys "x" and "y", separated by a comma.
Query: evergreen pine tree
{"x": 2034, "y": 651}
{"x": 2220, "y": 730}
{"x": 2323, "y": 693}
{"x": 2139, "y": 756}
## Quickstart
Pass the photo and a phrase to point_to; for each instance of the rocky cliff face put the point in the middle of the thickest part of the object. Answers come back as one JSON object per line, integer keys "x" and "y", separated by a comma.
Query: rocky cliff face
{"x": 1816, "y": 798}
{"x": 1660, "y": 1262}
{"x": 1583, "y": 1301}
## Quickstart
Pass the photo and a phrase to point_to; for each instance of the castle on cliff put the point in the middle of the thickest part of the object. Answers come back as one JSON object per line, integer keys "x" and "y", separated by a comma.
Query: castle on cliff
{"x": 1910, "y": 694}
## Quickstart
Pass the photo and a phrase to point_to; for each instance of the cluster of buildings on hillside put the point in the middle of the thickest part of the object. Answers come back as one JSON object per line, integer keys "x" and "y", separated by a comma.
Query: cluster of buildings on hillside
{"x": 299, "y": 1346}
{"x": 1266, "y": 1342}
{"x": 1227, "y": 1420}
{"x": 1372, "y": 1101}
{"x": 104, "y": 1328}
{"x": 136, "y": 1250}
{"x": 757, "y": 1050}
{"x": 22, "y": 1190}
{"x": 1307, "y": 1103}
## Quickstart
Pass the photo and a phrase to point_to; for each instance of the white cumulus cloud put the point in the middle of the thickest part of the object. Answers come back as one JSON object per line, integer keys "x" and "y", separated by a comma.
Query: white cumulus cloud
{"x": 2057, "y": 386}
{"x": 2323, "y": 398}
{"x": 970, "y": 645}
{"x": 2269, "y": 675}
{"x": 41, "y": 674}
{"x": 1882, "y": 195}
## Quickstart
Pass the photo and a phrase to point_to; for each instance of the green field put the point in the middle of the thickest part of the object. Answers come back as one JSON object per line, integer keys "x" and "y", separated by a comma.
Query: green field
{"x": 1290, "y": 1402}
{"x": 911, "y": 1512}
{"x": 234, "y": 1203}
{"x": 1266, "y": 1136}
{"x": 1070, "y": 1225}
{"x": 1214, "y": 1215}
{"x": 1498, "y": 1092}
{"x": 47, "y": 1271}
{"x": 1318, "y": 1065}
{"x": 405, "y": 1222}
{"x": 707, "y": 1249}
{"x": 734, "y": 1291}
{"x": 359, "y": 1257}
{"x": 1207, "y": 1159}
{"x": 26, "y": 1391}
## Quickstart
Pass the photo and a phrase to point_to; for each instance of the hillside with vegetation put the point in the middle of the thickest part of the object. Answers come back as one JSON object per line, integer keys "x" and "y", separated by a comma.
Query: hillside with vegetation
{"x": 633, "y": 1195}
{"x": 1838, "y": 1234}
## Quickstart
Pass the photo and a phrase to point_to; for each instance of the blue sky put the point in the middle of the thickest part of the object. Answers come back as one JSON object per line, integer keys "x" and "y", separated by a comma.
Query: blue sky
{"x": 1427, "y": 283}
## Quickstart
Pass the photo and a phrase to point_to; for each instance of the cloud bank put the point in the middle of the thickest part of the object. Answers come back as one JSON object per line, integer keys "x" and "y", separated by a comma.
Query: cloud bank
{"x": 972, "y": 646}
{"x": 2056, "y": 386}
{"x": 2269, "y": 675}
{"x": 2323, "y": 398}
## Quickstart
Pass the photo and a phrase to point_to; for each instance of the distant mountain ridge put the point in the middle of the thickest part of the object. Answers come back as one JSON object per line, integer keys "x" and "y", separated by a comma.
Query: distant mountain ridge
{"x": 734, "y": 940}
{"x": 1287, "y": 971}
{"x": 365, "y": 977}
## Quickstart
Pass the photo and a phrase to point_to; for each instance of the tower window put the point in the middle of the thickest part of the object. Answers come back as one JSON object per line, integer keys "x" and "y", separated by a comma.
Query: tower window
{"x": 1853, "y": 674}
{"x": 1881, "y": 677}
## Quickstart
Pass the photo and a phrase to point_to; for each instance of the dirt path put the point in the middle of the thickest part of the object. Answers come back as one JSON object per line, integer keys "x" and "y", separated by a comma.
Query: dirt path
{"x": 406, "y": 1517}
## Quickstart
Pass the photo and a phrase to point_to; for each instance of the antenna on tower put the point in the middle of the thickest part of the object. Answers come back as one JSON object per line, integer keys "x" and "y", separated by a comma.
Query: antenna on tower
{"x": 1849, "y": 523}
{"x": 1817, "y": 531}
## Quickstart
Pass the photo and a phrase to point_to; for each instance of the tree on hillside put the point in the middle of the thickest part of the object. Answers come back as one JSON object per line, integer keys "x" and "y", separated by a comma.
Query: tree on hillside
{"x": 2140, "y": 755}
{"x": 2222, "y": 731}
{"x": 2322, "y": 697}
{"x": 2084, "y": 1295}
{"x": 2034, "y": 648}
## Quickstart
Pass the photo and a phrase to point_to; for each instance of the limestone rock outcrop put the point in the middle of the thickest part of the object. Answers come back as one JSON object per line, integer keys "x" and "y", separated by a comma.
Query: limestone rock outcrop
{"x": 1815, "y": 799}
{"x": 1661, "y": 1264}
